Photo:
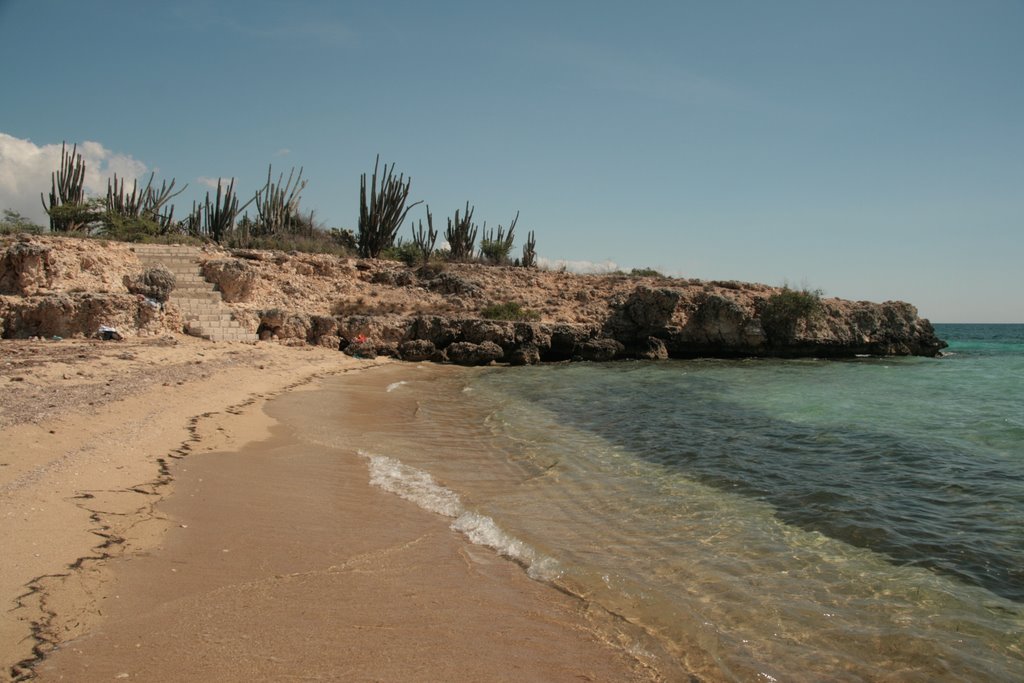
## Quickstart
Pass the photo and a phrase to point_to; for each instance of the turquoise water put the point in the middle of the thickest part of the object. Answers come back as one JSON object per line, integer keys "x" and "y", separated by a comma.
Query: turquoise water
{"x": 750, "y": 520}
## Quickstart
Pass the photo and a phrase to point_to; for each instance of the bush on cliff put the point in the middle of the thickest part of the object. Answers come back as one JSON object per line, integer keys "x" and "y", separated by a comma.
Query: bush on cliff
{"x": 783, "y": 310}
{"x": 508, "y": 311}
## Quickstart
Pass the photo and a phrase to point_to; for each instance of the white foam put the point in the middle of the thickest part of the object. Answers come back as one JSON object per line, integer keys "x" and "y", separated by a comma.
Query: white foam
{"x": 419, "y": 487}
{"x": 395, "y": 385}
{"x": 412, "y": 484}
{"x": 482, "y": 530}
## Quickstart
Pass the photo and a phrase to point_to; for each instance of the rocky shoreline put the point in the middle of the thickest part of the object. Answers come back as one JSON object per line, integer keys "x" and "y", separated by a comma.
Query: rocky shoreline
{"x": 66, "y": 287}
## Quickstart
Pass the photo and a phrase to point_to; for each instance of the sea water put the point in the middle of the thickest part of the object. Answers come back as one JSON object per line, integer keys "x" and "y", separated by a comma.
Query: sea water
{"x": 751, "y": 520}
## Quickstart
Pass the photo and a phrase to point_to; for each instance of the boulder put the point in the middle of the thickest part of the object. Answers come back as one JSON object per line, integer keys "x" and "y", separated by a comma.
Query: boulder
{"x": 154, "y": 283}
{"x": 365, "y": 349}
{"x": 417, "y": 350}
{"x": 468, "y": 353}
{"x": 236, "y": 279}
{"x": 601, "y": 349}
{"x": 527, "y": 354}
{"x": 652, "y": 348}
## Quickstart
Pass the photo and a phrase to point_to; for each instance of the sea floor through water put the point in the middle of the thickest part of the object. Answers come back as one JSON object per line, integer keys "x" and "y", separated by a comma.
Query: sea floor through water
{"x": 746, "y": 520}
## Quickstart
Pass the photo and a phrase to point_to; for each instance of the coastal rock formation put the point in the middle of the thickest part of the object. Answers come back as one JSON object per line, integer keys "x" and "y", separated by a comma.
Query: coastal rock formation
{"x": 420, "y": 313}
{"x": 78, "y": 314}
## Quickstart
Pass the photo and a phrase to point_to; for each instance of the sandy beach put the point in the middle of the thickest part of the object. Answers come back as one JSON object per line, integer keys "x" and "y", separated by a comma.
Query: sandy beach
{"x": 164, "y": 522}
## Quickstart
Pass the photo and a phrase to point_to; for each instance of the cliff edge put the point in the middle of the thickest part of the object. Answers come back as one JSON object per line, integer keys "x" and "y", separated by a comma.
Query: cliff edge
{"x": 54, "y": 286}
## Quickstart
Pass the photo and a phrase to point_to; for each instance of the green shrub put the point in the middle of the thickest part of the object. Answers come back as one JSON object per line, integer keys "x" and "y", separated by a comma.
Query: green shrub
{"x": 645, "y": 272}
{"x": 508, "y": 311}
{"x": 14, "y": 222}
{"x": 787, "y": 307}
{"x": 406, "y": 252}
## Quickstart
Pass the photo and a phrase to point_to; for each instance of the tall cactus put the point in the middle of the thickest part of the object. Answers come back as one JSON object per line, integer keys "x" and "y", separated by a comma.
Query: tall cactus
{"x": 382, "y": 215}
{"x": 529, "y": 259}
{"x": 425, "y": 240}
{"x": 219, "y": 216}
{"x": 67, "y": 190}
{"x": 461, "y": 235}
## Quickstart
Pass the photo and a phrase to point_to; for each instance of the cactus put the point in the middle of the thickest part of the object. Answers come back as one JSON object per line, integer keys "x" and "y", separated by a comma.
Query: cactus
{"x": 529, "y": 259}
{"x": 425, "y": 241}
{"x": 68, "y": 191}
{"x": 461, "y": 235}
{"x": 219, "y": 216}
{"x": 277, "y": 205}
{"x": 495, "y": 248}
{"x": 140, "y": 207}
{"x": 381, "y": 216}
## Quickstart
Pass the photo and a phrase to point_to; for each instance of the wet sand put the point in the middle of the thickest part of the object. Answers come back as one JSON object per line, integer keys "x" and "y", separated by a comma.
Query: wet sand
{"x": 281, "y": 562}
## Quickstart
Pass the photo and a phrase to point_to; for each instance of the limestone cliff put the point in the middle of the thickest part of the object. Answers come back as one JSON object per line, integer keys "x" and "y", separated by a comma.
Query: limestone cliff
{"x": 62, "y": 286}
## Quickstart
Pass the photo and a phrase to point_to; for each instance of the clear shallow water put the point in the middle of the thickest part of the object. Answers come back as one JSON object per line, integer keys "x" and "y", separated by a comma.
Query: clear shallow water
{"x": 753, "y": 520}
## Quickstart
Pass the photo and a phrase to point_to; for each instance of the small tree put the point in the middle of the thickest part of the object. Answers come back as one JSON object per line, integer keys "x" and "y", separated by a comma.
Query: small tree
{"x": 382, "y": 214}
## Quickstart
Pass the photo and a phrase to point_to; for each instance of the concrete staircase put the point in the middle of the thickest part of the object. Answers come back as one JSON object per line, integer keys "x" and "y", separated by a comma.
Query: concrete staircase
{"x": 199, "y": 301}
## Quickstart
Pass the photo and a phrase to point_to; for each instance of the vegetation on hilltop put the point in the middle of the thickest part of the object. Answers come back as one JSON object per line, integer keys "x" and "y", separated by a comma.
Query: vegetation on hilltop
{"x": 145, "y": 214}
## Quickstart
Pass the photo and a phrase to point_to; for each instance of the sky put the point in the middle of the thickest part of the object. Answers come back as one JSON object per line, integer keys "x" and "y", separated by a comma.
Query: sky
{"x": 871, "y": 149}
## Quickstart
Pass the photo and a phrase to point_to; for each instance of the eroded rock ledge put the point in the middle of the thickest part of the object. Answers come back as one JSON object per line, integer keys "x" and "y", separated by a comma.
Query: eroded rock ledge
{"x": 68, "y": 287}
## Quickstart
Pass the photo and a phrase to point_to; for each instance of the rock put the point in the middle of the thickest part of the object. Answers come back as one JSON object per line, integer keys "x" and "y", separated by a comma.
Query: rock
{"x": 478, "y": 331}
{"x": 80, "y": 314}
{"x": 393, "y": 278}
{"x": 468, "y": 353}
{"x": 364, "y": 349}
{"x": 417, "y": 350}
{"x": 652, "y": 348}
{"x": 566, "y": 341}
{"x": 527, "y": 354}
{"x": 284, "y": 324}
{"x": 449, "y": 283}
{"x": 235, "y": 279}
{"x": 155, "y": 283}
{"x": 601, "y": 349}
{"x": 438, "y": 329}
{"x": 26, "y": 267}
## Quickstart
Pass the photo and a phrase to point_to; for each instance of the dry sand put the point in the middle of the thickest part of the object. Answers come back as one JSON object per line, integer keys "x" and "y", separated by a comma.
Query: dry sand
{"x": 218, "y": 548}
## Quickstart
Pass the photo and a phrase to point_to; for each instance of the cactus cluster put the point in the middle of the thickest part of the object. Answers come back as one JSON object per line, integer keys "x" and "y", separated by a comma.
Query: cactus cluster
{"x": 216, "y": 219}
{"x": 461, "y": 235}
{"x": 140, "y": 206}
{"x": 277, "y": 205}
{"x": 68, "y": 190}
{"x": 495, "y": 247}
{"x": 382, "y": 214}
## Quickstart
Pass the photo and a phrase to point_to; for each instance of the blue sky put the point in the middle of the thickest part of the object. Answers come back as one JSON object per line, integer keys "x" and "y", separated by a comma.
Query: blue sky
{"x": 871, "y": 149}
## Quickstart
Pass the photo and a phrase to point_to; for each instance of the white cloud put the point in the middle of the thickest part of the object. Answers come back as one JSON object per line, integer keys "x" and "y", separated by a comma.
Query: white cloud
{"x": 283, "y": 152}
{"x": 602, "y": 267}
{"x": 26, "y": 168}
{"x": 211, "y": 182}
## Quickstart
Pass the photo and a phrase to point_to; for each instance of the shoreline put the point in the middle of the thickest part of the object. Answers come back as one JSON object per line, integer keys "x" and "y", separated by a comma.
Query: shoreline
{"x": 67, "y": 603}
